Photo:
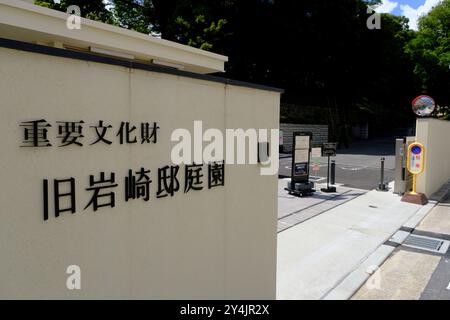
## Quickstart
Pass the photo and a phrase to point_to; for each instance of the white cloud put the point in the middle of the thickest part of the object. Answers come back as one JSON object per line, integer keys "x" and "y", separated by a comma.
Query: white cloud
{"x": 386, "y": 6}
{"x": 414, "y": 14}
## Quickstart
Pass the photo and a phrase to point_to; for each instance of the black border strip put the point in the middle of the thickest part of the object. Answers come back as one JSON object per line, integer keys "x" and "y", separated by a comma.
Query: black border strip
{"x": 406, "y": 229}
{"x": 36, "y": 48}
{"x": 392, "y": 244}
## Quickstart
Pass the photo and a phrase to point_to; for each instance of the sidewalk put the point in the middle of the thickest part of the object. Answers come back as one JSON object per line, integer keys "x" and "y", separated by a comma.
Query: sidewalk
{"x": 416, "y": 269}
{"x": 294, "y": 210}
{"x": 317, "y": 255}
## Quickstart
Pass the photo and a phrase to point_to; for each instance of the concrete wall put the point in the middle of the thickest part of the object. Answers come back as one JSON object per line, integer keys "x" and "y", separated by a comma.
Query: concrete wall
{"x": 211, "y": 244}
{"x": 434, "y": 135}
{"x": 320, "y": 134}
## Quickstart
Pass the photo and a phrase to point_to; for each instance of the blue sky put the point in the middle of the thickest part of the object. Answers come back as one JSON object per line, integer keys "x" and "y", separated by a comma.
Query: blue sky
{"x": 412, "y": 9}
{"x": 411, "y": 3}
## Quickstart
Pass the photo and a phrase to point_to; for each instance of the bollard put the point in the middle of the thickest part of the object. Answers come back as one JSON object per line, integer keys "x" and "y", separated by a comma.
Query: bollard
{"x": 329, "y": 189}
{"x": 382, "y": 186}
{"x": 333, "y": 173}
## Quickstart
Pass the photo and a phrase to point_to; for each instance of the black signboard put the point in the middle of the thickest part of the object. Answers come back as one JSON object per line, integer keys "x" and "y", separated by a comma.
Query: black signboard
{"x": 329, "y": 149}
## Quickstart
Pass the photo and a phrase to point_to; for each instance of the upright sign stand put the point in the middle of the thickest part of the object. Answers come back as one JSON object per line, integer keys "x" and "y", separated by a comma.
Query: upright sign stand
{"x": 415, "y": 165}
{"x": 329, "y": 150}
{"x": 422, "y": 106}
{"x": 300, "y": 184}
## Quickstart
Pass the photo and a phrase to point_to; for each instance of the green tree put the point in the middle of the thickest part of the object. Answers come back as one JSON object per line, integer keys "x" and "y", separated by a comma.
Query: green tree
{"x": 321, "y": 52}
{"x": 389, "y": 82}
{"x": 190, "y": 22}
{"x": 430, "y": 50}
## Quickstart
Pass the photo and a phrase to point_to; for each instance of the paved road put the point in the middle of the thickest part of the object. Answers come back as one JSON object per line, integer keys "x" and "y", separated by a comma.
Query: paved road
{"x": 356, "y": 167}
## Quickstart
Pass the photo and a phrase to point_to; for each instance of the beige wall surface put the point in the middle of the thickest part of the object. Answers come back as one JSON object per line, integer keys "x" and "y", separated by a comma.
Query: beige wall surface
{"x": 434, "y": 135}
{"x": 209, "y": 244}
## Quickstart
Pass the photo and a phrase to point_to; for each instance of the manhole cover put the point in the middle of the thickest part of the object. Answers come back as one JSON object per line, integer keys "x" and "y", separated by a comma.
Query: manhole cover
{"x": 427, "y": 243}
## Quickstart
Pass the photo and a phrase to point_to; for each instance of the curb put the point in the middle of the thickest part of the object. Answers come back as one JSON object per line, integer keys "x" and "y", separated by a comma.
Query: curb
{"x": 358, "y": 277}
{"x": 435, "y": 199}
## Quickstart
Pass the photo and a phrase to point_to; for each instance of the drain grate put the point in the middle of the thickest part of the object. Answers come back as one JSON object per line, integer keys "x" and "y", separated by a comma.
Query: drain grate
{"x": 427, "y": 243}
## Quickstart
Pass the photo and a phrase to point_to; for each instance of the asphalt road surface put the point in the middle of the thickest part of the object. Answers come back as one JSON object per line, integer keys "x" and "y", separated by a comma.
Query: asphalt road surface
{"x": 356, "y": 167}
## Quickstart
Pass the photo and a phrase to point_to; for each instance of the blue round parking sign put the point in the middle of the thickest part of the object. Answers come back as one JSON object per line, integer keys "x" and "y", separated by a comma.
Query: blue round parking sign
{"x": 416, "y": 150}
{"x": 416, "y": 158}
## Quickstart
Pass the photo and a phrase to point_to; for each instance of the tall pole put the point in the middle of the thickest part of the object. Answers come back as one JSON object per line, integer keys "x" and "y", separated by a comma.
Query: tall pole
{"x": 329, "y": 189}
{"x": 414, "y": 186}
{"x": 328, "y": 174}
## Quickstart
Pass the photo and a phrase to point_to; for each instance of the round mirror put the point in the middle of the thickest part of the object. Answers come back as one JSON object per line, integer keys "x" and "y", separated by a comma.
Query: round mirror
{"x": 423, "y": 106}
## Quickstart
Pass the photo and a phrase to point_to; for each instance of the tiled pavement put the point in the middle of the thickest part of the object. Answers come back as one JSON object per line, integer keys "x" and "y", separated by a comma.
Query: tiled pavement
{"x": 293, "y": 210}
{"x": 412, "y": 273}
{"x": 316, "y": 256}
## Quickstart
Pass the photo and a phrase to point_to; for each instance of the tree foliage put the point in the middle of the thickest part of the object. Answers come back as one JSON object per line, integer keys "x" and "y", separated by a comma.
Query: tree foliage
{"x": 430, "y": 50}
{"x": 321, "y": 52}
{"x": 191, "y": 22}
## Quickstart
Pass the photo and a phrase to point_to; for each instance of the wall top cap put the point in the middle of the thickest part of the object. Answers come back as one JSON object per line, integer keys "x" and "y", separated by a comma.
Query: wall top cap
{"x": 24, "y": 21}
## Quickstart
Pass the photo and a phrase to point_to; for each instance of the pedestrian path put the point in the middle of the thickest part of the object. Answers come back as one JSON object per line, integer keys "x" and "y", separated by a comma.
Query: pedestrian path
{"x": 293, "y": 210}
{"x": 317, "y": 255}
{"x": 416, "y": 271}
